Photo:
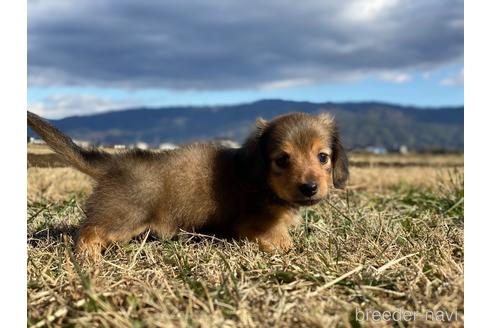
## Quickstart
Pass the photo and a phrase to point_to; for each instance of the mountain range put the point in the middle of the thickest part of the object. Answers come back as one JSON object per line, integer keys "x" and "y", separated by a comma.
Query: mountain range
{"x": 361, "y": 124}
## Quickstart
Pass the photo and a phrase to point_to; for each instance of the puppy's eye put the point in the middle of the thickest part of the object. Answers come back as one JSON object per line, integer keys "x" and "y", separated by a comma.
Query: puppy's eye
{"x": 323, "y": 158}
{"x": 282, "y": 161}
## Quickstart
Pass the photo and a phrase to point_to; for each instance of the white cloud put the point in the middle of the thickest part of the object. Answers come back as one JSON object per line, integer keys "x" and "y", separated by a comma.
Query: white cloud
{"x": 364, "y": 10}
{"x": 457, "y": 79}
{"x": 284, "y": 84}
{"x": 57, "y": 106}
{"x": 395, "y": 77}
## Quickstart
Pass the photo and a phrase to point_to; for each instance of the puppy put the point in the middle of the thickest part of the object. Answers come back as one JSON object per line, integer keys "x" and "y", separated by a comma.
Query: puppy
{"x": 252, "y": 193}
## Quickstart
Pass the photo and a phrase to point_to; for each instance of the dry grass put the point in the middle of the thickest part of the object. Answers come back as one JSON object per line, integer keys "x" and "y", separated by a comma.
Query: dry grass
{"x": 42, "y": 149}
{"x": 392, "y": 242}
{"x": 383, "y": 178}
{"x": 55, "y": 184}
{"x": 38, "y": 149}
{"x": 415, "y": 159}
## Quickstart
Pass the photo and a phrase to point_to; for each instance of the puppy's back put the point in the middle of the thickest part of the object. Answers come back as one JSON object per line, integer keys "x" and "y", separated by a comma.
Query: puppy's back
{"x": 189, "y": 187}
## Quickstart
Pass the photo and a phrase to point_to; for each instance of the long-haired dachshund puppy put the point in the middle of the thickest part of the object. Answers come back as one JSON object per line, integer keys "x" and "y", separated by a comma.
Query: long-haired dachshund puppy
{"x": 253, "y": 192}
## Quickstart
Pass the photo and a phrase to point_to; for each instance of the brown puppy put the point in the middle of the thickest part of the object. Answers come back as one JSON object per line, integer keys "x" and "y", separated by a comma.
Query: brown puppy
{"x": 253, "y": 192}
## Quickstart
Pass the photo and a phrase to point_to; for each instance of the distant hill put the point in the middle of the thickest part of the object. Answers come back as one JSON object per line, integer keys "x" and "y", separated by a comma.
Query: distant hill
{"x": 361, "y": 124}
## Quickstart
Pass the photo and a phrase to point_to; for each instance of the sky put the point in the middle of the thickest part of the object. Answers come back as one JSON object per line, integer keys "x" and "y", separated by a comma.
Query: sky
{"x": 86, "y": 57}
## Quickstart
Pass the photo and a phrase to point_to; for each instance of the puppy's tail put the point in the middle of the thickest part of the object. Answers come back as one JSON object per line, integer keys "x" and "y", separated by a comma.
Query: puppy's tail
{"x": 90, "y": 162}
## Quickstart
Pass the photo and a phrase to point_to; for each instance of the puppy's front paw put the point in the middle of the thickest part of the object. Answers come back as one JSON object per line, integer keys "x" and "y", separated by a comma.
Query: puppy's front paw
{"x": 280, "y": 243}
{"x": 88, "y": 253}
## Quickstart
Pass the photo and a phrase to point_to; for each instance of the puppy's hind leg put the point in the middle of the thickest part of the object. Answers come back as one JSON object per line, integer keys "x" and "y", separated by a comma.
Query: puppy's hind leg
{"x": 164, "y": 228}
{"x": 104, "y": 227}
{"x": 90, "y": 242}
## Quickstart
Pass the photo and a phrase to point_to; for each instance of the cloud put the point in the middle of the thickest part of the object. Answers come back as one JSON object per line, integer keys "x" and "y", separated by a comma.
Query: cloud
{"x": 395, "y": 77}
{"x": 57, "y": 106}
{"x": 221, "y": 44}
{"x": 363, "y": 10}
{"x": 457, "y": 79}
{"x": 283, "y": 84}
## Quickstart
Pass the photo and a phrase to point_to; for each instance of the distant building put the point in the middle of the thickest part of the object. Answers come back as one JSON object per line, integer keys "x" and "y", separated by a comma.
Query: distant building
{"x": 377, "y": 150}
{"x": 82, "y": 143}
{"x": 167, "y": 146}
{"x": 141, "y": 145}
{"x": 35, "y": 141}
{"x": 119, "y": 146}
{"x": 403, "y": 149}
{"x": 228, "y": 143}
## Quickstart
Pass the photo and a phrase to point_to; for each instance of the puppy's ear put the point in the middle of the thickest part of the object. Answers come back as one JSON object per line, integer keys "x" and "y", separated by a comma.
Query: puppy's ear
{"x": 251, "y": 161}
{"x": 340, "y": 170}
{"x": 254, "y": 138}
{"x": 327, "y": 119}
{"x": 261, "y": 125}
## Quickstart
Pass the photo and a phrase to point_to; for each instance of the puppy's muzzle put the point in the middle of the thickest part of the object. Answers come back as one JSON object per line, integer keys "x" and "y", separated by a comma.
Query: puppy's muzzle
{"x": 309, "y": 189}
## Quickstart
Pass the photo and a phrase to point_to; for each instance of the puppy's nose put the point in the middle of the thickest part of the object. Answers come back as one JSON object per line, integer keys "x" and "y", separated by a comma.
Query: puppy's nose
{"x": 309, "y": 189}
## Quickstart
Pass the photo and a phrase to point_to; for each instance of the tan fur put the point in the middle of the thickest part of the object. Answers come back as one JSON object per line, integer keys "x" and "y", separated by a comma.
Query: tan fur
{"x": 237, "y": 193}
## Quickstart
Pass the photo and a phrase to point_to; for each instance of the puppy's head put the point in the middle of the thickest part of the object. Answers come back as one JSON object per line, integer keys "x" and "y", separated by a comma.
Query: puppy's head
{"x": 299, "y": 156}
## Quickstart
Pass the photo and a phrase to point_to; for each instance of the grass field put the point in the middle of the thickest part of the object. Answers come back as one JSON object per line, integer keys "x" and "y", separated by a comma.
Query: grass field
{"x": 393, "y": 241}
